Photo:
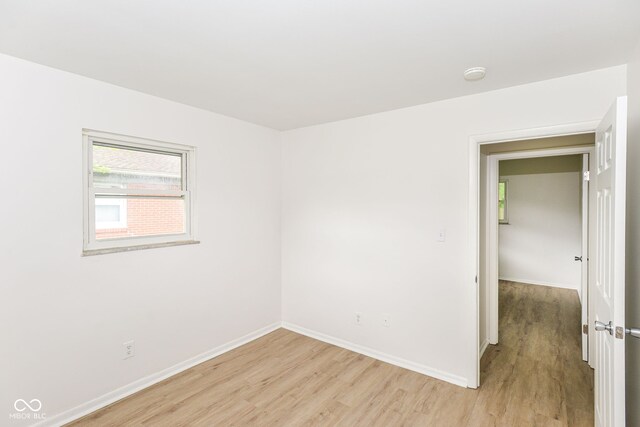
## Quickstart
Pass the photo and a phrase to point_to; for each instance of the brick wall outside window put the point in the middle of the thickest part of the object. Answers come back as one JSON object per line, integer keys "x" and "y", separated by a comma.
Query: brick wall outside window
{"x": 148, "y": 217}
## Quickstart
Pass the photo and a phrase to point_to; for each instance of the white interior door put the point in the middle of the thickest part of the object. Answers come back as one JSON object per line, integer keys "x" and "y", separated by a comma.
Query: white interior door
{"x": 608, "y": 292}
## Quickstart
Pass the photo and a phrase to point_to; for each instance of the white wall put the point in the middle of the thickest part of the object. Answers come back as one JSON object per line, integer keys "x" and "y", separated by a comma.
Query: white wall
{"x": 544, "y": 232}
{"x": 363, "y": 202}
{"x": 364, "y": 199}
{"x": 64, "y": 317}
{"x": 633, "y": 240}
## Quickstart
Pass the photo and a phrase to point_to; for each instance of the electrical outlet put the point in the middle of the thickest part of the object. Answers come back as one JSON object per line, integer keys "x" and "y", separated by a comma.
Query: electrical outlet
{"x": 386, "y": 320}
{"x": 358, "y": 318}
{"x": 129, "y": 349}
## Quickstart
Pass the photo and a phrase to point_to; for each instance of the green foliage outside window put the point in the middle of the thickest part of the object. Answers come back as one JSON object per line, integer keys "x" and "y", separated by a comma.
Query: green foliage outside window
{"x": 502, "y": 202}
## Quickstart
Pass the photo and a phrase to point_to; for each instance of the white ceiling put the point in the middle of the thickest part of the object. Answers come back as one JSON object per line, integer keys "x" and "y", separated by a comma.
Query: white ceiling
{"x": 292, "y": 63}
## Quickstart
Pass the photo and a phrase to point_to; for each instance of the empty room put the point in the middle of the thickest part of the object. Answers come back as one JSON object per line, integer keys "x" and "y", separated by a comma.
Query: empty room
{"x": 288, "y": 213}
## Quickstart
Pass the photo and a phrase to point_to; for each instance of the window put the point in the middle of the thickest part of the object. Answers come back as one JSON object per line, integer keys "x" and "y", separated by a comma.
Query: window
{"x": 503, "y": 218}
{"x": 139, "y": 193}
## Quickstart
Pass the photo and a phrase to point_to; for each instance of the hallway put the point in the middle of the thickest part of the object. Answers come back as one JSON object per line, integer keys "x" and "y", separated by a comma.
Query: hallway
{"x": 535, "y": 375}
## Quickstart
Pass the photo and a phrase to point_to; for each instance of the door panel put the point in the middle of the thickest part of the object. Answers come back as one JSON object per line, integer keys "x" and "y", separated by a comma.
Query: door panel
{"x": 608, "y": 290}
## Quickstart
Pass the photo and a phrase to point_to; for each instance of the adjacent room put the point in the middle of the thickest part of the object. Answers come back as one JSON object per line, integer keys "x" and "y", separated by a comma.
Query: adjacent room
{"x": 540, "y": 289}
{"x": 540, "y": 217}
{"x": 286, "y": 213}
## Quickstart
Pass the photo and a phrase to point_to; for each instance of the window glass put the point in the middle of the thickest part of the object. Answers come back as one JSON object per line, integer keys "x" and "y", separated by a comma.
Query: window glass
{"x": 135, "y": 169}
{"x": 502, "y": 202}
{"x": 138, "y": 193}
{"x": 144, "y": 217}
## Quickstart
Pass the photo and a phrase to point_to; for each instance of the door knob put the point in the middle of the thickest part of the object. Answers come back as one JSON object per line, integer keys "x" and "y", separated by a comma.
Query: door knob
{"x": 602, "y": 327}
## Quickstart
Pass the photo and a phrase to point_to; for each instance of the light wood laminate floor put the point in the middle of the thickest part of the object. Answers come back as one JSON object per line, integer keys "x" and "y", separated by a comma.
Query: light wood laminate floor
{"x": 534, "y": 377}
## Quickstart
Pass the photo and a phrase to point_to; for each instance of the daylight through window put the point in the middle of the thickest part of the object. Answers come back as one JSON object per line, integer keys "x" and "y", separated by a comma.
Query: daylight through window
{"x": 138, "y": 192}
{"x": 502, "y": 202}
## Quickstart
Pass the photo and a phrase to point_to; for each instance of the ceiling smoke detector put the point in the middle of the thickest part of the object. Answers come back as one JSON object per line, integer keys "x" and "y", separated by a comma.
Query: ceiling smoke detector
{"x": 475, "y": 73}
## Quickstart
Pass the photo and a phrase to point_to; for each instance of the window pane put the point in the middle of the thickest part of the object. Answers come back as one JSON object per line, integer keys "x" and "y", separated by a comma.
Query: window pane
{"x": 502, "y": 204}
{"x": 126, "y": 168}
{"x": 501, "y": 191}
{"x": 143, "y": 217}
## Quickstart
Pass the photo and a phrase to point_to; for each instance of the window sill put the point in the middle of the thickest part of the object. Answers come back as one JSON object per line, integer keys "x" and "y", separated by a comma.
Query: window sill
{"x": 93, "y": 252}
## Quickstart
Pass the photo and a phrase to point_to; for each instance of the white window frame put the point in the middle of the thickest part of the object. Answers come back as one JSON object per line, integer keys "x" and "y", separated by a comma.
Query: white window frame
{"x": 122, "y": 206}
{"x": 93, "y": 246}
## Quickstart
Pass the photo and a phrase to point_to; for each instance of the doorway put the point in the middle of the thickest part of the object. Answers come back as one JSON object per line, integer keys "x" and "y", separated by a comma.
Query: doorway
{"x": 529, "y": 139}
{"x": 606, "y": 298}
{"x": 534, "y": 219}
{"x": 534, "y": 222}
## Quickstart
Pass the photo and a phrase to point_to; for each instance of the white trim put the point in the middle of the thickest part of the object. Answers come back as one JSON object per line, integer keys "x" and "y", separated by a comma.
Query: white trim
{"x": 387, "y": 358}
{"x": 483, "y": 347}
{"x": 139, "y": 247}
{"x": 585, "y": 196}
{"x": 474, "y": 261}
{"x": 146, "y": 193}
{"x": 547, "y": 152}
{"x": 131, "y": 388}
{"x": 122, "y": 213}
{"x": 535, "y": 133}
{"x": 127, "y": 390}
{"x": 541, "y": 283}
{"x": 491, "y": 258}
{"x": 144, "y": 143}
{"x": 474, "y": 213}
{"x": 620, "y": 189}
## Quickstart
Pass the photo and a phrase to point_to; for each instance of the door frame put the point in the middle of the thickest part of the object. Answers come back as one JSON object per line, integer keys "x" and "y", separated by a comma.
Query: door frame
{"x": 475, "y": 143}
{"x": 492, "y": 227}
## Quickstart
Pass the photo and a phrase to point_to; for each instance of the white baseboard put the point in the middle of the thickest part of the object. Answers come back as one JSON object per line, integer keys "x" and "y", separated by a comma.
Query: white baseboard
{"x": 540, "y": 283}
{"x": 417, "y": 367}
{"x": 483, "y": 347}
{"x": 129, "y": 389}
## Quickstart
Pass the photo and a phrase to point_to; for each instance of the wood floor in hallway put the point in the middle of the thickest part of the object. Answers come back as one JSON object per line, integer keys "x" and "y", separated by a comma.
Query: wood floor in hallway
{"x": 534, "y": 377}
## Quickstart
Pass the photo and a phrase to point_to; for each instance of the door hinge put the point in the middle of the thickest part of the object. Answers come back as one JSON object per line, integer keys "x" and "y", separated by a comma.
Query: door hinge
{"x": 587, "y": 176}
{"x": 585, "y": 329}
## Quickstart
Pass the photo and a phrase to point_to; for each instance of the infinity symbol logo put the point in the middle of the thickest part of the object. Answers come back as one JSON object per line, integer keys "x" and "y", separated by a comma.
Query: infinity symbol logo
{"x": 21, "y": 405}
